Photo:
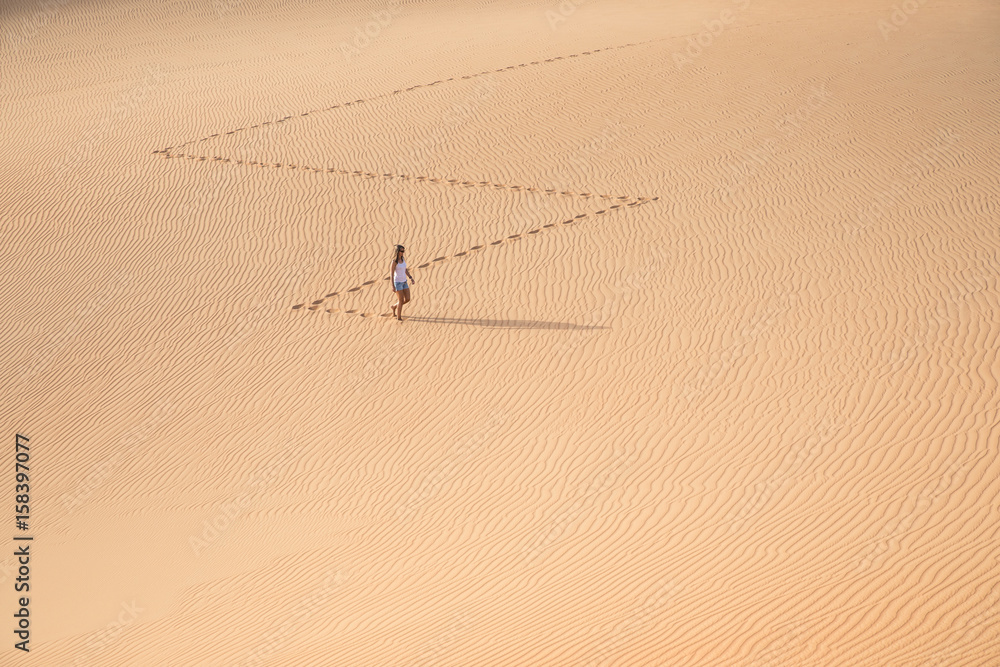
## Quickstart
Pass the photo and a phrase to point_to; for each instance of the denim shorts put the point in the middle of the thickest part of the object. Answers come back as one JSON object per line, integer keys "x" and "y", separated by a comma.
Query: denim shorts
{"x": 401, "y": 286}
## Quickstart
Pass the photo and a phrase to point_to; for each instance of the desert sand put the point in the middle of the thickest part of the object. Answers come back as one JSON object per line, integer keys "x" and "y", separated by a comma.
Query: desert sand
{"x": 700, "y": 367}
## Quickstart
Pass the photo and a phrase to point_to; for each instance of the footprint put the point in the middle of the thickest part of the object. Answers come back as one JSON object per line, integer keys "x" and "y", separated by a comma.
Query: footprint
{"x": 581, "y": 216}
{"x": 514, "y": 236}
{"x": 551, "y": 224}
{"x": 568, "y": 222}
{"x": 586, "y": 194}
{"x": 354, "y": 289}
{"x": 453, "y": 180}
{"x": 333, "y": 310}
{"x": 297, "y": 306}
{"x": 370, "y": 282}
{"x": 534, "y": 231}
{"x": 497, "y": 242}
{"x": 460, "y": 254}
{"x": 602, "y": 211}
{"x": 351, "y": 311}
{"x": 317, "y": 302}
{"x": 623, "y": 198}
{"x": 424, "y": 265}
{"x": 532, "y": 189}
{"x": 439, "y": 259}
{"x": 656, "y": 199}
{"x": 475, "y": 247}
{"x": 617, "y": 206}
{"x": 313, "y": 307}
{"x": 568, "y": 194}
{"x": 331, "y": 294}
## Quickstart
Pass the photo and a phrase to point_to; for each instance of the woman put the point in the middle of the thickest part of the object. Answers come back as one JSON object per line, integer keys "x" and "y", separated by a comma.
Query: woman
{"x": 398, "y": 274}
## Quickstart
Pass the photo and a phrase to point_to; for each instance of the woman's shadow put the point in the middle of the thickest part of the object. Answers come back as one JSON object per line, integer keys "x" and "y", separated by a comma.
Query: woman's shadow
{"x": 506, "y": 324}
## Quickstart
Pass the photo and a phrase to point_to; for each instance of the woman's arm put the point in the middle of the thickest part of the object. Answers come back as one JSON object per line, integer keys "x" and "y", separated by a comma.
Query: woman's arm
{"x": 409, "y": 275}
{"x": 392, "y": 275}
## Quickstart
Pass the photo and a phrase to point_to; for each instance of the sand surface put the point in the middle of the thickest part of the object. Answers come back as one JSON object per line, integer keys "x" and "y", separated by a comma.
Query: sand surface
{"x": 700, "y": 368}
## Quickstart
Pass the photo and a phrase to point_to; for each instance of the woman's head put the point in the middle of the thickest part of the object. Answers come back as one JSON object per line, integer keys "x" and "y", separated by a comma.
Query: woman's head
{"x": 398, "y": 254}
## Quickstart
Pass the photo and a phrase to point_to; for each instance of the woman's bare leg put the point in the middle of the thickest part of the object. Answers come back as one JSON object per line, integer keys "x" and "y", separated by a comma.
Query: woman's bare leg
{"x": 398, "y": 308}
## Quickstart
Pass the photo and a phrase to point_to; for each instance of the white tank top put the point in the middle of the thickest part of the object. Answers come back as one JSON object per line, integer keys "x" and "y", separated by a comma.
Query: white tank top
{"x": 400, "y": 276}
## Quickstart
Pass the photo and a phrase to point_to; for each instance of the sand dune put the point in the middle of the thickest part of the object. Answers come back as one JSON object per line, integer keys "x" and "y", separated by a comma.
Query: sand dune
{"x": 700, "y": 368}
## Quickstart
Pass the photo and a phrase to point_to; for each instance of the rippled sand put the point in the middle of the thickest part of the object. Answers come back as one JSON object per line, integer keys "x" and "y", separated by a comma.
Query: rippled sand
{"x": 700, "y": 368}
